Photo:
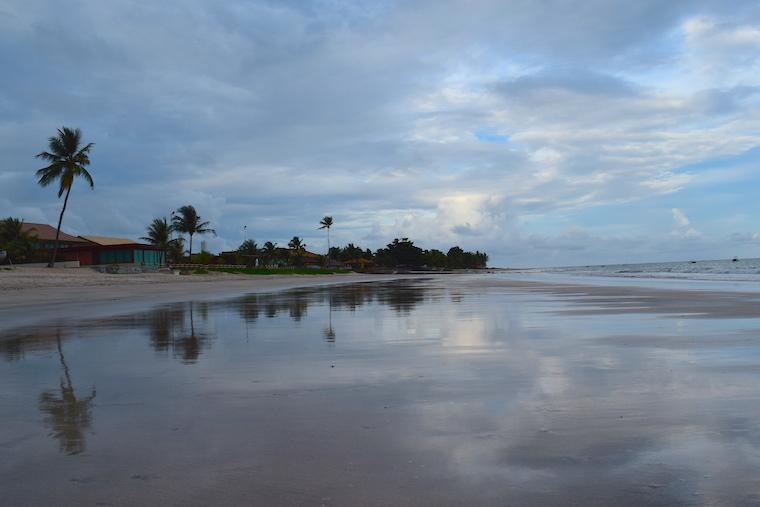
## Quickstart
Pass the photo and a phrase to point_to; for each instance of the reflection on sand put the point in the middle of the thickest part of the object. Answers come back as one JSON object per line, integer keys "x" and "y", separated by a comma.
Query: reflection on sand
{"x": 443, "y": 392}
{"x": 68, "y": 416}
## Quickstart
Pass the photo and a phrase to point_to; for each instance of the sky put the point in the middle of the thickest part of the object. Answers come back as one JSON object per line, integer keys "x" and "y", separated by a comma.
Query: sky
{"x": 545, "y": 132}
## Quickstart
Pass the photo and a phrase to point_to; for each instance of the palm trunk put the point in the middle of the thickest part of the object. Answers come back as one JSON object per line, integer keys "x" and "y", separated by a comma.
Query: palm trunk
{"x": 190, "y": 252}
{"x": 328, "y": 247}
{"x": 58, "y": 231}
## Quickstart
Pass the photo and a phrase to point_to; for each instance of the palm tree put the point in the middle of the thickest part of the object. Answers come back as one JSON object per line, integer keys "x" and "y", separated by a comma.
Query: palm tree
{"x": 326, "y": 223}
{"x": 187, "y": 220}
{"x": 297, "y": 248}
{"x": 67, "y": 161}
{"x": 15, "y": 240}
{"x": 270, "y": 251}
{"x": 249, "y": 250}
{"x": 159, "y": 231}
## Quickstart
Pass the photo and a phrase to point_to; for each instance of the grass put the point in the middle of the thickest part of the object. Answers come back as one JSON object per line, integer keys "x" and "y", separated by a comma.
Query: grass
{"x": 281, "y": 271}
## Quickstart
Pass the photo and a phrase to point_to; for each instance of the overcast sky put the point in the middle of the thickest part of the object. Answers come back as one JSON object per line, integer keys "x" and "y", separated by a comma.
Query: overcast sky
{"x": 544, "y": 132}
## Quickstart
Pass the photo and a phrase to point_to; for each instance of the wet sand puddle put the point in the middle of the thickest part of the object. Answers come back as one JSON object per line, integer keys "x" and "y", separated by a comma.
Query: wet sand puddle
{"x": 447, "y": 391}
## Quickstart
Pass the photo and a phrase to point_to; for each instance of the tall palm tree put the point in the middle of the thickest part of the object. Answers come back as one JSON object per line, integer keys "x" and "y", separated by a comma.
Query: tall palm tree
{"x": 326, "y": 223}
{"x": 67, "y": 162}
{"x": 189, "y": 222}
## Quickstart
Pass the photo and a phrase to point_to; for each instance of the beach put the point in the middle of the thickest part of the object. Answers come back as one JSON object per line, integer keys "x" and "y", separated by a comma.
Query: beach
{"x": 467, "y": 389}
{"x": 30, "y": 296}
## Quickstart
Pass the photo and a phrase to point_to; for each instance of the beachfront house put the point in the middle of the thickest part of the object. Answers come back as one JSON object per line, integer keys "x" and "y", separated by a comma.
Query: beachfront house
{"x": 44, "y": 237}
{"x": 92, "y": 250}
{"x": 100, "y": 250}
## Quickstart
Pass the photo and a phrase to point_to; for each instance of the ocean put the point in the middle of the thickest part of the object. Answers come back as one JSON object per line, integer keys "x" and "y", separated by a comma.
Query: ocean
{"x": 717, "y": 270}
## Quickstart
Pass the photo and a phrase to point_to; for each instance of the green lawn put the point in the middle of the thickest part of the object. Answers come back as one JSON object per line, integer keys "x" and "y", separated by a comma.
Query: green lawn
{"x": 281, "y": 271}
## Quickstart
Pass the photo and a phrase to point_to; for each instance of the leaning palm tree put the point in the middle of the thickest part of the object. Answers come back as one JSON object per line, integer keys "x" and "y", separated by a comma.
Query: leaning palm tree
{"x": 326, "y": 223}
{"x": 67, "y": 161}
{"x": 187, "y": 221}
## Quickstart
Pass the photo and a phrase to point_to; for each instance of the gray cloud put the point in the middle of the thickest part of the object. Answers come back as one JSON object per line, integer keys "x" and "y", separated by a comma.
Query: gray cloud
{"x": 274, "y": 114}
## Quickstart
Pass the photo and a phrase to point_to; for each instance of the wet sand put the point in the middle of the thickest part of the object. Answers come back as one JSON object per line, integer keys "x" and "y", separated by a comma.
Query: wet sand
{"x": 463, "y": 390}
{"x": 31, "y": 296}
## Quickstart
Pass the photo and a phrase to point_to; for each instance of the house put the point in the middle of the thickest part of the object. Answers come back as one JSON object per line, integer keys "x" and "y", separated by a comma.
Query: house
{"x": 44, "y": 235}
{"x": 107, "y": 250}
{"x": 93, "y": 250}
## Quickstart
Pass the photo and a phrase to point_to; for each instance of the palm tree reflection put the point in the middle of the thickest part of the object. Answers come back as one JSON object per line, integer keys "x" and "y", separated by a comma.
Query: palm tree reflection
{"x": 69, "y": 417}
{"x": 329, "y": 332}
{"x": 171, "y": 331}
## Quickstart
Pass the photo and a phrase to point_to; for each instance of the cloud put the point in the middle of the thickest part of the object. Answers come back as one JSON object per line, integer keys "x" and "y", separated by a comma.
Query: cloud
{"x": 503, "y": 126}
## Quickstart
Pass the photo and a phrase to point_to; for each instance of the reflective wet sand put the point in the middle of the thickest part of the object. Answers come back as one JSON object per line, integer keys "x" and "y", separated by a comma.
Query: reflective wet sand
{"x": 448, "y": 391}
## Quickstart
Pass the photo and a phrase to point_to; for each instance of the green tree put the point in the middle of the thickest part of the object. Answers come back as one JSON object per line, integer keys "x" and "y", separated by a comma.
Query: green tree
{"x": 401, "y": 252}
{"x": 13, "y": 239}
{"x": 326, "y": 223}
{"x": 187, "y": 221}
{"x": 159, "y": 234}
{"x": 249, "y": 250}
{"x": 297, "y": 249}
{"x": 177, "y": 248}
{"x": 67, "y": 162}
{"x": 435, "y": 258}
{"x": 270, "y": 253}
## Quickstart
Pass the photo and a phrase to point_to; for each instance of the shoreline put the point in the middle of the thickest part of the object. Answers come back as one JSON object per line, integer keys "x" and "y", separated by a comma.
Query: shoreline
{"x": 37, "y": 297}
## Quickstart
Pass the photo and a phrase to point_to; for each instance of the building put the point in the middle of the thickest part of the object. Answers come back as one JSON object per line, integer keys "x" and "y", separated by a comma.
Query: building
{"x": 107, "y": 250}
{"x": 94, "y": 250}
{"x": 44, "y": 235}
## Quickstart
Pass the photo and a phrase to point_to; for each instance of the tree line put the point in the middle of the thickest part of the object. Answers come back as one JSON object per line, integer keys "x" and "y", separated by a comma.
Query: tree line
{"x": 68, "y": 158}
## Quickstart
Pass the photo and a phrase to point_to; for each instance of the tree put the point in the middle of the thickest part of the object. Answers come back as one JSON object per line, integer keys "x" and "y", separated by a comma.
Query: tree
{"x": 177, "y": 248}
{"x": 187, "y": 221}
{"x": 297, "y": 249}
{"x": 435, "y": 258}
{"x": 401, "y": 252}
{"x": 249, "y": 250}
{"x": 326, "y": 223}
{"x": 455, "y": 258}
{"x": 270, "y": 252}
{"x": 159, "y": 232}
{"x": 67, "y": 162}
{"x": 15, "y": 240}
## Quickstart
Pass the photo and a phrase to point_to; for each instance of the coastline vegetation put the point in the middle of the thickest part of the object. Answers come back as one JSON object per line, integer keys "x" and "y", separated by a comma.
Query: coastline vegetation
{"x": 68, "y": 159}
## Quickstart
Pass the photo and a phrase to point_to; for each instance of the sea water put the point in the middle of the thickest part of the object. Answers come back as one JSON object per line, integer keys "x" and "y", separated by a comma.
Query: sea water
{"x": 718, "y": 270}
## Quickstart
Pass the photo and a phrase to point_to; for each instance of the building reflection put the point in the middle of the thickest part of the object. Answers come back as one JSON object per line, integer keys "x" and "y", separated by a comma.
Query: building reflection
{"x": 68, "y": 416}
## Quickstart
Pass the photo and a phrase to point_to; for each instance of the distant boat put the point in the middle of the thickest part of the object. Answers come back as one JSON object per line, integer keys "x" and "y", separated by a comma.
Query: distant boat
{"x": 734, "y": 259}
{"x": 693, "y": 262}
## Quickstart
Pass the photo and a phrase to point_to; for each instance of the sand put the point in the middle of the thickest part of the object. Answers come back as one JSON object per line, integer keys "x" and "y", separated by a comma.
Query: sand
{"x": 452, "y": 390}
{"x": 33, "y": 296}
